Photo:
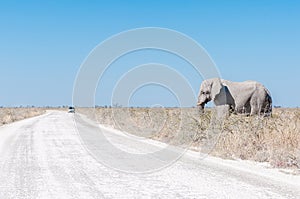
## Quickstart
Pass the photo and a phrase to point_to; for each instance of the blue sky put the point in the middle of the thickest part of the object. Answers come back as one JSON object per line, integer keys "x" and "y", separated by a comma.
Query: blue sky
{"x": 42, "y": 44}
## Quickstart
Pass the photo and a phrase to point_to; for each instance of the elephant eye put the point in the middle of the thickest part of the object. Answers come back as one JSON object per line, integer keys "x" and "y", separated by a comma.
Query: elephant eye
{"x": 204, "y": 92}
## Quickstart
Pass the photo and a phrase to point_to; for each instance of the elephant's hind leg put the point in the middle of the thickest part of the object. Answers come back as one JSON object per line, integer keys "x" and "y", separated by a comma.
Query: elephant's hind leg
{"x": 255, "y": 107}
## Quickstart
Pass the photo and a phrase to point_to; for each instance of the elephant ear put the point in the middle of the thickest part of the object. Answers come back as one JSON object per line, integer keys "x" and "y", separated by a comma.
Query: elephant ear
{"x": 216, "y": 87}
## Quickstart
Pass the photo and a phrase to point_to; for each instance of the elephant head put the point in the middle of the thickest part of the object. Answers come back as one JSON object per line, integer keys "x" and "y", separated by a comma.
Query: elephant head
{"x": 209, "y": 89}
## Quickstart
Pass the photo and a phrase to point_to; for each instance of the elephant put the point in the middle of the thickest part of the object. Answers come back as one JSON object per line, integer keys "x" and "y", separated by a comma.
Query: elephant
{"x": 248, "y": 97}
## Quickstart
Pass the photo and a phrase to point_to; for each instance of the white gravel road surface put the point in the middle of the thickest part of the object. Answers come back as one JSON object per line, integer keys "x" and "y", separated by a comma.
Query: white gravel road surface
{"x": 46, "y": 157}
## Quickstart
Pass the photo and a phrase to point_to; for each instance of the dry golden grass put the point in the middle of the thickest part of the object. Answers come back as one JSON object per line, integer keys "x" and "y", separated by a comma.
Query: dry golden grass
{"x": 9, "y": 115}
{"x": 275, "y": 139}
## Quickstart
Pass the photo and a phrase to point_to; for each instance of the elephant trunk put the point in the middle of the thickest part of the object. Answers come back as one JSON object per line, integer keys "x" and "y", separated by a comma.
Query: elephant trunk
{"x": 201, "y": 107}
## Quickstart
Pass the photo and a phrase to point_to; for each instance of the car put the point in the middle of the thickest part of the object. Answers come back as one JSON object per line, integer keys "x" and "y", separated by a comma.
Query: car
{"x": 71, "y": 109}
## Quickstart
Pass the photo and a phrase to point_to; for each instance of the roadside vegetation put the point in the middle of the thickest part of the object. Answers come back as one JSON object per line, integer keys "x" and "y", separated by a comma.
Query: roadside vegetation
{"x": 9, "y": 115}
{"x": 275, "y": 139}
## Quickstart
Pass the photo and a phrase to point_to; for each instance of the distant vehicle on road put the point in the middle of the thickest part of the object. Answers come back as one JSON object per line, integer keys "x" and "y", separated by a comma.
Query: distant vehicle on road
{"x": 71, "y": 109}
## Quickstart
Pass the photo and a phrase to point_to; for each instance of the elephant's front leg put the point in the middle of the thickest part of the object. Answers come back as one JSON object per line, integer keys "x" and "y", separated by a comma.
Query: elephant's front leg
{"x": 240, "y": 109}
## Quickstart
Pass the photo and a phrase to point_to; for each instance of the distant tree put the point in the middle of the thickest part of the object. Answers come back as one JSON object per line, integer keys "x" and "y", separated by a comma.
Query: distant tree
{"x": 116, "y": 105}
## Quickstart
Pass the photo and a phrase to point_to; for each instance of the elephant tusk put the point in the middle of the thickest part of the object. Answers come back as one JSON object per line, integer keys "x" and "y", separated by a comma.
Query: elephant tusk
{"x": 200, "y": 104}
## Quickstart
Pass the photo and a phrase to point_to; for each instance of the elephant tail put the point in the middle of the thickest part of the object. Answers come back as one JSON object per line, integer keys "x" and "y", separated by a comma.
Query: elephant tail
{"x": 268, "y": 103}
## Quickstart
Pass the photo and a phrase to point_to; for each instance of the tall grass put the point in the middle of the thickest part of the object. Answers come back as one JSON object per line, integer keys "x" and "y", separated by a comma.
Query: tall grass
{"x": 9, "y": 115}
{"x": 274, "y": 139}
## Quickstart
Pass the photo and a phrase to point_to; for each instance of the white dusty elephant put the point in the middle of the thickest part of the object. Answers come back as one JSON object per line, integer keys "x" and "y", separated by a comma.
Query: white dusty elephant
{"x": 249, "y": 97}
